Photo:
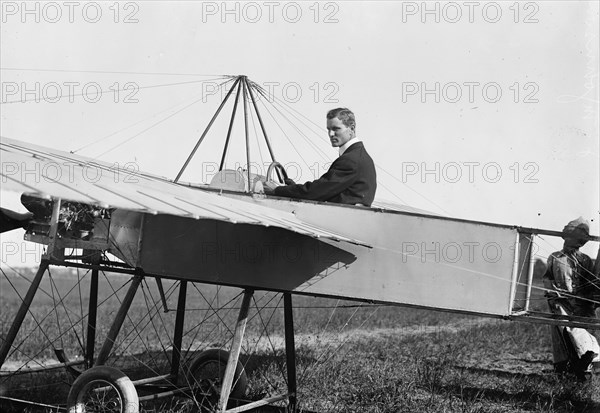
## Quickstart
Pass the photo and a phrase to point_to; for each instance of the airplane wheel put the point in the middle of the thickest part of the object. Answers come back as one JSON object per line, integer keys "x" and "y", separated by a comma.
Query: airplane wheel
{"x": 103, "y": 389}
{"x": 207, "y": 371}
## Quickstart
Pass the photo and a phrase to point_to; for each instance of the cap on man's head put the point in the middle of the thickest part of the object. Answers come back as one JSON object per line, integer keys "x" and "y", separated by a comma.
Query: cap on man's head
{"x": 577, "y": 229}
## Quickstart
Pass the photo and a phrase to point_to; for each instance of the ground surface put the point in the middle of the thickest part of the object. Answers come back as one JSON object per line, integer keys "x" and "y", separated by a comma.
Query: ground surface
{"x": 349, "y": 358}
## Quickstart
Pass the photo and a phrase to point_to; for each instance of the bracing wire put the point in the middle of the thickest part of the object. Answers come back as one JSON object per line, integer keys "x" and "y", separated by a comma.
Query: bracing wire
{"x": 101, "y": 92}
{"x": 292, "y": 111}
{"x": 593, "y": 280}
{"x": 256, "y": 136}
{"x": 35, "y": 357}
{"x": 285, "y": 135}
{"x": 317, "y": 129}
{"x": 305, "y": 137}
{"x": 109, "y": 72}
{"x": 103, "y": 138}
{"x": 62, "y": 303}
{"x": 150, "y": 127}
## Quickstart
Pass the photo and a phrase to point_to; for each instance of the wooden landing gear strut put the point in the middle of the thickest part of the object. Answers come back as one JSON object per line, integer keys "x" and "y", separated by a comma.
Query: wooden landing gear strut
{"x": 290, "y": 351}
{"x": 102, "y": 385}
{"x": 234, "y": 354}
{"x": 25, "y": 304}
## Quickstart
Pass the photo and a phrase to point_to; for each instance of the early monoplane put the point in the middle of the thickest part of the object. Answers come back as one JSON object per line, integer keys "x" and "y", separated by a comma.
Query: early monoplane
{"x": 188, "y": 238}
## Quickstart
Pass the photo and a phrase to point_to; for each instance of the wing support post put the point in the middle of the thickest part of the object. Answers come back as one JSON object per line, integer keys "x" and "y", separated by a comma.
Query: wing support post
{"x": 290, "y": 351}
{"x": 234, "y": 353}
{"x": 22, "y": 312}
{"x": 92, "y": 311}
{"x": 178, "y": 335}
{"x": 53, "y": 252}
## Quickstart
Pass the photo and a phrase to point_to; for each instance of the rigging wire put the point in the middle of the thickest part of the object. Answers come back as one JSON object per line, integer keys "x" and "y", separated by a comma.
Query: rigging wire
{"x": 101, "y": 92}
{"x": 135, "y": 326}
{"x": 286, "y": 136}
{"x": 593, "y": 281}
{"x": 312, "y": 372}
{"x": 125, "y": 128}
{"x": 111, "y": 72}
{"x": 291, "y": 110}
{"x": 409, "y": 188}
{"x": 320, "y": 152}
{"x": 317, "y": 130}
{"x": 155, "y": 307}
{"x": 260, "y": 155}
{"x": 62, "y": 303}
{"x": 38, "y": 324}
{"x": 148, "y": 128}
{"x": 314, "y": 146}
{"x": 492, "y": 276}
{"x": 206, "y": 316}
{"x": 263, "y": 332}
{"x": 17, "y": 348}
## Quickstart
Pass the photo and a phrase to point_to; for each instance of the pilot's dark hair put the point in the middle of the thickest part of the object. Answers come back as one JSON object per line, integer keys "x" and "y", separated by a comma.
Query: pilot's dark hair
{"x": 343, "y": 114}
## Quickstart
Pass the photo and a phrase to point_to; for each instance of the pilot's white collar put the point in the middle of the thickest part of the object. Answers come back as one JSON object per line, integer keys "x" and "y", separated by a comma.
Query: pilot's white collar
{"x": 348, "y": 144}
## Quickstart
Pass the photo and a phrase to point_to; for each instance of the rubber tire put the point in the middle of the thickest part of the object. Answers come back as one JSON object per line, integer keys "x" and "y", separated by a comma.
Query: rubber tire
{"x": 240, "y": 380}
{"x": 112, "y": 376}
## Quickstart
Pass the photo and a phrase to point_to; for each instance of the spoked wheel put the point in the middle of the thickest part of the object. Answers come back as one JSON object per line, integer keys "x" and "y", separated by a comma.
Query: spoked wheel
{"x": 103, "y": 390}
{"x": 205, "y": 377}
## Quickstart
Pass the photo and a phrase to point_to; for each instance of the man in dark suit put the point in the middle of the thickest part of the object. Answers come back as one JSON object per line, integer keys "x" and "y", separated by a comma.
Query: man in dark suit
{"x": 351, "y": 178}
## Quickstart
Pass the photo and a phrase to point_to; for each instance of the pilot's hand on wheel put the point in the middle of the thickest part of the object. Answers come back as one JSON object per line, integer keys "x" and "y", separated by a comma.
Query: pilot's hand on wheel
{"x": 269, "y": 187}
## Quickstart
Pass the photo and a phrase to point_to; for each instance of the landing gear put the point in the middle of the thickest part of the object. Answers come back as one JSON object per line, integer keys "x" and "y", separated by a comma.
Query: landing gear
{"x": 206, "y": 373}
{"x": 103, "y": 389}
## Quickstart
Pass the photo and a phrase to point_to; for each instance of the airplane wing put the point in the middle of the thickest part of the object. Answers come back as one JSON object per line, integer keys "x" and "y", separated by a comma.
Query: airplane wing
{"x": 48, "y": 172}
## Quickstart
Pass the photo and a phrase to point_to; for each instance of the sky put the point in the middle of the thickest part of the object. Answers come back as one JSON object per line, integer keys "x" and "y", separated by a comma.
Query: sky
{"x": 478, "y": 110}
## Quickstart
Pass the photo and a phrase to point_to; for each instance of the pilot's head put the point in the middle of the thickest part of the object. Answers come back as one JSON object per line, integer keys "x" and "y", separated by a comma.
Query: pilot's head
{"x": 340, "y": 126}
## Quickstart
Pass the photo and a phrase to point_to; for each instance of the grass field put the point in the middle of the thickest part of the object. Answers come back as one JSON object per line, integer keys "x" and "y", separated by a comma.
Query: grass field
{"x": 350, "y": 357}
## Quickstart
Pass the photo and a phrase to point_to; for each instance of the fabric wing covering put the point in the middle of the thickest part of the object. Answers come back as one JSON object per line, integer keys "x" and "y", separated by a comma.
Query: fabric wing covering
{"x": 48, "y": 172}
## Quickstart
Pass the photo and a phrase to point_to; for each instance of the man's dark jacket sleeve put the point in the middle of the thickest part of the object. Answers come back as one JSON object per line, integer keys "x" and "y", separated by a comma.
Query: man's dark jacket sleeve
{"x": 351, "y": 179}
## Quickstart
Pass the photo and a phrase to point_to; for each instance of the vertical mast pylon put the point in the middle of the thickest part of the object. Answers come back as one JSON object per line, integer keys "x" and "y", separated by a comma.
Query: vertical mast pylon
{"x": 206, "y": 131}
{"x": 237, "y": 99}
{"x": 245, "y": 89}
{"x": 244, "y": 84}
